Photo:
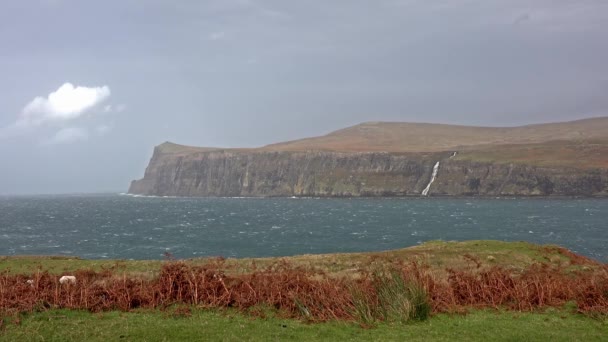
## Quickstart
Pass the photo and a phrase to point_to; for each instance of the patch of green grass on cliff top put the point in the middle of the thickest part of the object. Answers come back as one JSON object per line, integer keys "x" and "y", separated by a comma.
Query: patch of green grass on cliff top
{"x": 212, "y": 325}
{"x": 572, "y": 154}
{"x": 439, "y": 255}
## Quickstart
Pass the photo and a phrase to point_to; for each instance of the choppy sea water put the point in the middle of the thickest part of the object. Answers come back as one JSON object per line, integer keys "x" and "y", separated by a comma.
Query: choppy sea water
{"x": 125, "y": 227}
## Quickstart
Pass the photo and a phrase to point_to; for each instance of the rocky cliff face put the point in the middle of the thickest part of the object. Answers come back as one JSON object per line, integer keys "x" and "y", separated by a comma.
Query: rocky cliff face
{"x": 290, "y": 173}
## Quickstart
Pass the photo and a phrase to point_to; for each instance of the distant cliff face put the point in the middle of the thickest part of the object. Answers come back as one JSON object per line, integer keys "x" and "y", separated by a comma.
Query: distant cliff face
{"x": 291, "y": 173}
{"x": 507, "y": 161}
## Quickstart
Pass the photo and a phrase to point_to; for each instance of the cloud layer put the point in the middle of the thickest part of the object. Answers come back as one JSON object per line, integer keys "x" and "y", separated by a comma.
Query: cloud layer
{"x": 68, "y": 135}
{"x": 67, "y": 102}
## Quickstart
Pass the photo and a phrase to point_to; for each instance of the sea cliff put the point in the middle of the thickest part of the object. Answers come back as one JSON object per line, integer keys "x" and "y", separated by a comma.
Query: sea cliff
{"x": 395, "y": 159}
{"x": 323, "y": 173}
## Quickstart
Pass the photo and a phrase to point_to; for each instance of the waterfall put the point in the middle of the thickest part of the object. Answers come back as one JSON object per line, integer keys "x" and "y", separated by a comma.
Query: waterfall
{"x": 425, "y": 192}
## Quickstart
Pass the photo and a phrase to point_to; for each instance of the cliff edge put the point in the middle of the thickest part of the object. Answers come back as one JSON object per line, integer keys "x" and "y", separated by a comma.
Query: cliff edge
{"x": 395, "y": 159}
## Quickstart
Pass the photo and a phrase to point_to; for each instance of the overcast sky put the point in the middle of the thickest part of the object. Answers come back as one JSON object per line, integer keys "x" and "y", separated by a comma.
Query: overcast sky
{"x": 88, "y": 88}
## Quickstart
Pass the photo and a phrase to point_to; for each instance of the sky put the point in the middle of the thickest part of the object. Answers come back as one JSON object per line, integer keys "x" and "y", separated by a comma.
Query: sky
{"x": 88, "y": 88}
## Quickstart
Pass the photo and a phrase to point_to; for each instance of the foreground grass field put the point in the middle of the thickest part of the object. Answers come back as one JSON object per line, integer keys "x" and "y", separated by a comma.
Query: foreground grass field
{"x": 511, "y": 291}
{"x": 437, "y": 254}
{"x": 208, "y": 325}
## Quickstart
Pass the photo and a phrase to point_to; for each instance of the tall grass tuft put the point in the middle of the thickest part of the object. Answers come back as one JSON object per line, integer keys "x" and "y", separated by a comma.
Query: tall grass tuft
{"x": 401, "y": 300}
{"x": 390, "y": 297}
{"x": 364, "y": 304}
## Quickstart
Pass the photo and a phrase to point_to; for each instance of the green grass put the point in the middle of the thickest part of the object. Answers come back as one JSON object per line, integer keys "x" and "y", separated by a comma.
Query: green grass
{"x": 230, "y": 325}
{"x": 63, "y": 325}
{"x": 579, "y": 154}
{"x": 59, "y": 264}
{"x": 437, "y": 254}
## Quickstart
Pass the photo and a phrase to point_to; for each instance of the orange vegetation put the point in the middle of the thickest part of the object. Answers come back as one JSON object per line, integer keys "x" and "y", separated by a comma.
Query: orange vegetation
{"x": 309, "y": 294}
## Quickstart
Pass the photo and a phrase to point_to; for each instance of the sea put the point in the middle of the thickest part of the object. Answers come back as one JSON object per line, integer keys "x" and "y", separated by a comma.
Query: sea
{"x": 120, "y": 226}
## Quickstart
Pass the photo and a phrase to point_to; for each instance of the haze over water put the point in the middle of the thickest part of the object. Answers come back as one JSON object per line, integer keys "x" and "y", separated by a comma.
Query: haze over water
{"x": 124, "y": 227}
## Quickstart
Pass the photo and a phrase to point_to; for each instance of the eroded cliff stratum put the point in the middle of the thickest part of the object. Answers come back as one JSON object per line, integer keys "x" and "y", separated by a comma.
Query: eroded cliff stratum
{"x": 395, "y": 159}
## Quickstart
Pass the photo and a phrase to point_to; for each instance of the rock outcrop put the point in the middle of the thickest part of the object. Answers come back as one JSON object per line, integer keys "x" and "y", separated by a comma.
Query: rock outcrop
{"x": 235, "y": 173}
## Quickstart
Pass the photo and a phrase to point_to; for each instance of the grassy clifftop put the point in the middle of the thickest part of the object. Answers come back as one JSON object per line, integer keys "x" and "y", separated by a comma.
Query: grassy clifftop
{"x": 437, "y": 254}
{"x": 423, "y": 137}
{"x": 578, "y": 144}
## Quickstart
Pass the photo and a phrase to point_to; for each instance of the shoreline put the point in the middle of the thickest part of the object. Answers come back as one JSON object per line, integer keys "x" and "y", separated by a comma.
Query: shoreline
{"x": 424, "y": 246}
{"x": 431, "y": 196}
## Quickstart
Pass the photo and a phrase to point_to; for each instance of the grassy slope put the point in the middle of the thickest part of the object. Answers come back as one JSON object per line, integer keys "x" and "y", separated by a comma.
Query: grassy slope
{"x": 437, "y": 254}
{"x": 578, "y": 144}
{"x": 559, "y": 153}
{"x": 419, "y": 137}
{"x": 172, "y": 324}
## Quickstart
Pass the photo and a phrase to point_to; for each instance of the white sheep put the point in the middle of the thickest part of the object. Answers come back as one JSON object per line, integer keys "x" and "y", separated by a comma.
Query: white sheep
{"x": 67, "y": 280}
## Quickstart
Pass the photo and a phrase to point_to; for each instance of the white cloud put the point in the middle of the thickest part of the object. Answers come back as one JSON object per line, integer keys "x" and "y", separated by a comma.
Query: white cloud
{"x": 69, "y": 135}
{"x": 66, "y": 103}
{"x": 56, "y": 113}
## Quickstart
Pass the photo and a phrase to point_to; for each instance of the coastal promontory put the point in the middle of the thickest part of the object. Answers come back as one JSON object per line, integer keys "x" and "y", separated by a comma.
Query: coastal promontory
{"x": 395, "y": 159}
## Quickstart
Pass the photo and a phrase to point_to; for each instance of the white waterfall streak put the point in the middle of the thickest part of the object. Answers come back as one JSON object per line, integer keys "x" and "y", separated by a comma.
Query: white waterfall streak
{"x": 425, "y": 192}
